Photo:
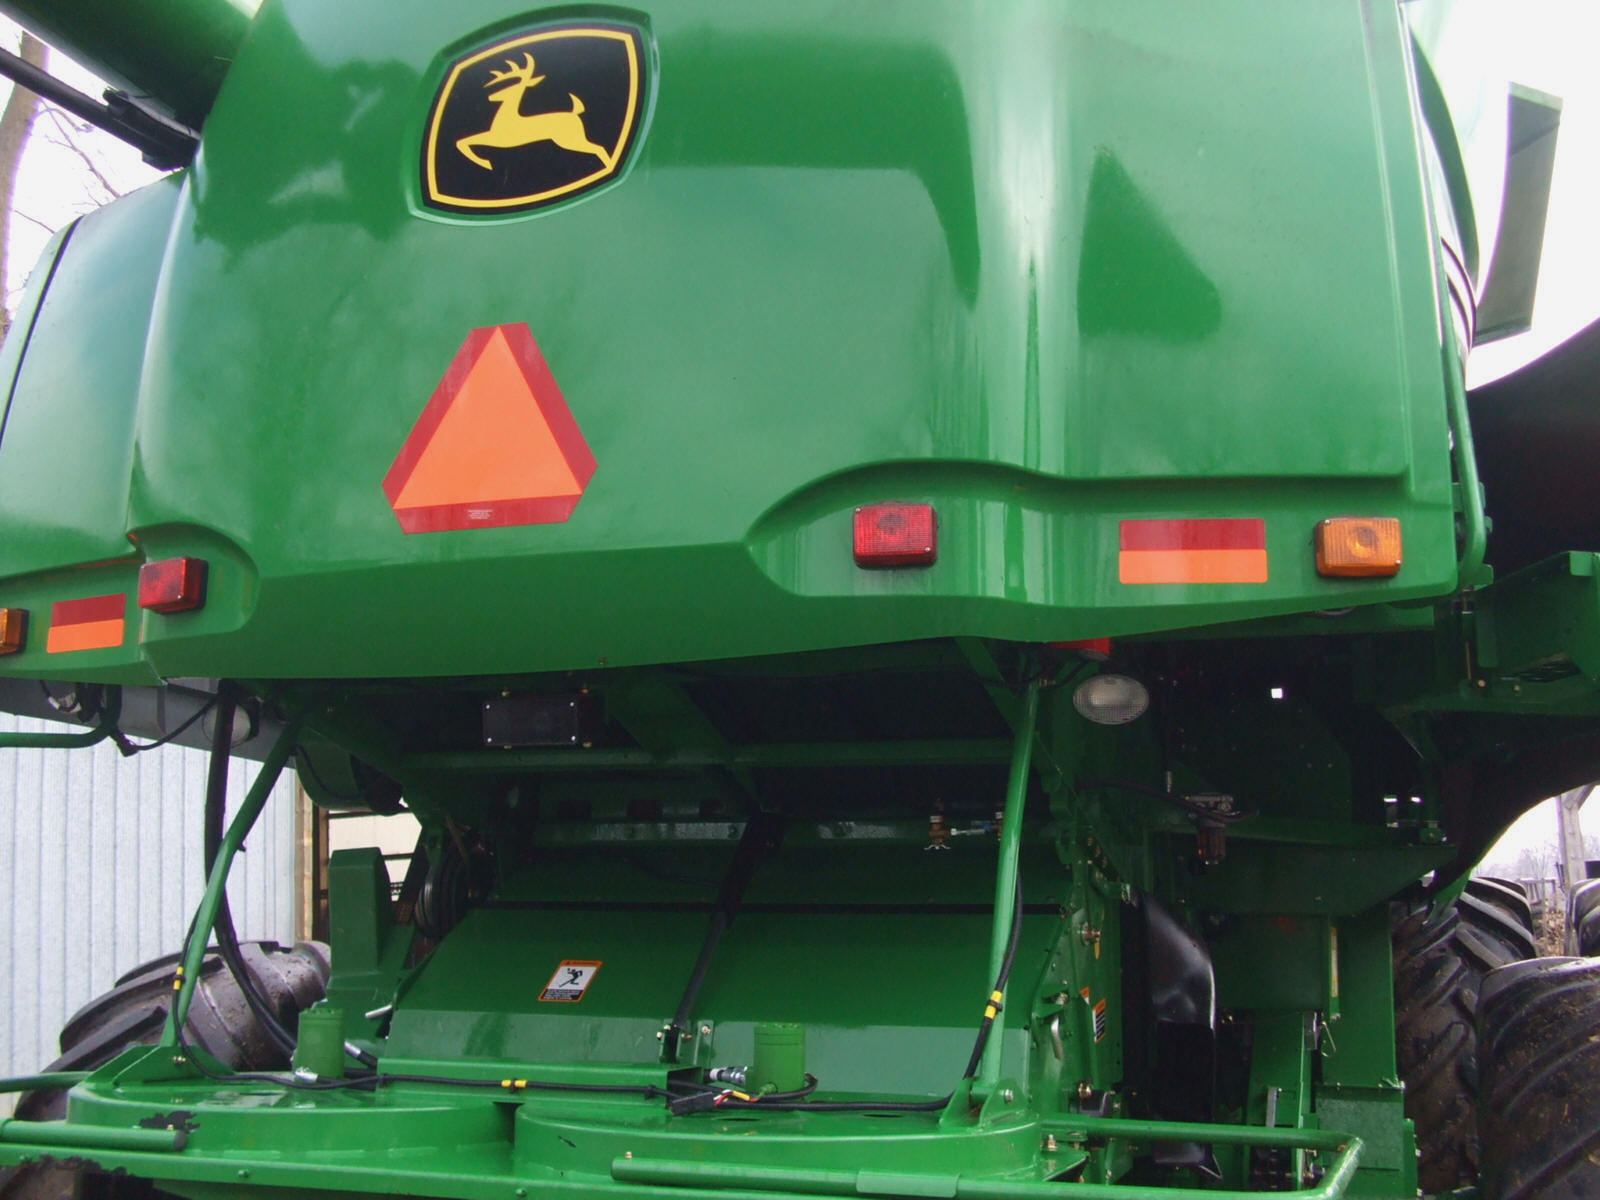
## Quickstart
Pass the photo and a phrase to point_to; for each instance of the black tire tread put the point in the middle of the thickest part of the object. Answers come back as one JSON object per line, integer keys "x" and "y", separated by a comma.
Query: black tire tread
{"x": 1583, "y": 927}
{"x": 1439, "y": 965}
{"x": 1540, "y": 1112}
{"x": 1507, "y": 894}
{"x": 134, "y": 1012}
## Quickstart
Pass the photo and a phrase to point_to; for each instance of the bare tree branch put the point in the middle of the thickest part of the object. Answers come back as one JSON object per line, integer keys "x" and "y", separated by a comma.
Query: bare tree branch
{"x": 67, "y": 129}
{"x": 15, "y": 123}
{"x": 50, "y": 229}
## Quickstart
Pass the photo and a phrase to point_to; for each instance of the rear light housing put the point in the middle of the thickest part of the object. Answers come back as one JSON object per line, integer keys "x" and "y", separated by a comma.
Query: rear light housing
{"x": 1358, "y": 547}
{"x": 895, "y": 535}
{"x": 172, "y": 585}
{"x": 13, "y": 630}
{"x": 1094, "y": 649}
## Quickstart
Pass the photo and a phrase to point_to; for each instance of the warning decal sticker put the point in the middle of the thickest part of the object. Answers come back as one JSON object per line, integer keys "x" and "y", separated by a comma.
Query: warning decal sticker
{"x": 1099, "y": 1016}
{"x": 570, "y": 982}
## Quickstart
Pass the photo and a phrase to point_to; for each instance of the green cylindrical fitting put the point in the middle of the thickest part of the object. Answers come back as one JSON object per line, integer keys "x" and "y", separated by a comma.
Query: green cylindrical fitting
{"x": 780, "y": 1060}
{"x": 319, "y": 1047}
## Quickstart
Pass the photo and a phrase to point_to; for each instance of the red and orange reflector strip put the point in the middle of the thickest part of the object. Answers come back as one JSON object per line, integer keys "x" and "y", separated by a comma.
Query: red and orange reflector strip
{"x": 172, "y": 585}
{"x": 895, "y": 535}
{"x": 1199, "y": 550}
{"x": 13, "y": 630}
{"x": 93, "y": 623}
{"x": 1358, "y": 547}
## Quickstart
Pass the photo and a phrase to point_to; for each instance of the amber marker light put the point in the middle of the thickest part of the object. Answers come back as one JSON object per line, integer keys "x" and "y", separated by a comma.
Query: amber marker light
{"x": 13, "y": 630}
{"x": 1358, "y": 547}
{"x": 172, "y": 585}
{"x": 895, "y": 535}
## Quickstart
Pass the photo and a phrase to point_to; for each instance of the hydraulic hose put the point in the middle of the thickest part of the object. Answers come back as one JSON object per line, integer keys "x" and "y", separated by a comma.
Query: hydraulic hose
{"x": 188, "y": 974}
{"x": 227, "y": 936}
{"x": 996, "y": 998}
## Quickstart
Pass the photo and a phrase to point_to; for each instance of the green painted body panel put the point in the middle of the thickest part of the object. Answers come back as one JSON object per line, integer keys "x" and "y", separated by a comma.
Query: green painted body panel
{"x": 1088, "y": 297}
{"x": 1048, "y": 266}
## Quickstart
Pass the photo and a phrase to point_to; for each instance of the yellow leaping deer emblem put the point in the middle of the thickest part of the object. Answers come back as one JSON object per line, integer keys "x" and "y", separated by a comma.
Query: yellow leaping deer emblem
{"x": 511, "y": 128}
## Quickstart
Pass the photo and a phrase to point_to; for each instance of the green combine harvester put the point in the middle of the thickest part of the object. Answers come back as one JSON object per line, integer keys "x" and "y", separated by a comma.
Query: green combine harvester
{"x": 927, "y": 569}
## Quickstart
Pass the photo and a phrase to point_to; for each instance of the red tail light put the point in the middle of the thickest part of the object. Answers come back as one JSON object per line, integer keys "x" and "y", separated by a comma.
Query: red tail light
{"x": 172, "y": 585}
{"x": 895, "y": 535}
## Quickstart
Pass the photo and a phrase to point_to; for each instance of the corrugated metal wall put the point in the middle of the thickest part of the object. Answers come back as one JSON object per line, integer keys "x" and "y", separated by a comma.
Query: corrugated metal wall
{"x": 100, "y": 870}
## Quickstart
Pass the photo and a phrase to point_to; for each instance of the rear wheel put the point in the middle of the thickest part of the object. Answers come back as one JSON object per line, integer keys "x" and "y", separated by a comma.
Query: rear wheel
{"x": 1439, "y": 966}
{"x": 1539, "y": 1111}
{"x": 133, "y": 1013}
{"x": 1506, "y": 894}
{"x": 1583, "y": 919}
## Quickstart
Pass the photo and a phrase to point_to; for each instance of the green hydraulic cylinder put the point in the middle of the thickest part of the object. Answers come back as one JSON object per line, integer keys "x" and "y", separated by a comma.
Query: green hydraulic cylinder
{"x": 319, "y": 1042}
{"x": 780, "y": 1058}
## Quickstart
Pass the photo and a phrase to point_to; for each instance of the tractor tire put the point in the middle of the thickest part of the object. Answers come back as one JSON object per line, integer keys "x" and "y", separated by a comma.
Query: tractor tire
{"x": 1539, "y": 1111}
{"x": 1583, "y": 923}
{"x": 1439, "y": 965}
{"x": 1505, "y": 893}
{"x": 133, "y": 1013}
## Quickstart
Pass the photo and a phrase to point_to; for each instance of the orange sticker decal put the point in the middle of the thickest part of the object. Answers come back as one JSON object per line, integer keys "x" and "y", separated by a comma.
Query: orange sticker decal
{"x": 571, "y": 981}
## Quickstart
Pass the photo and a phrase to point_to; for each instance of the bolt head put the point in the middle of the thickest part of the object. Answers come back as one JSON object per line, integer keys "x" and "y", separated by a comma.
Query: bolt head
{"x": 705, "y": 1031}
{"x": 1008, "y": 1095}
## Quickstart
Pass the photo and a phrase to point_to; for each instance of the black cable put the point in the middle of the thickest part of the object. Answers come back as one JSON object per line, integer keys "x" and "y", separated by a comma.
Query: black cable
{"x": 372, "y": 1080}
{"x": 700, "y": 1098}
{"x": 999, "y": 985}
{"x": 227, "y": 937}
{"x": 847, "y": 1105}
{"x": 128, "y": 747}
{"x": 648, "y": 1090}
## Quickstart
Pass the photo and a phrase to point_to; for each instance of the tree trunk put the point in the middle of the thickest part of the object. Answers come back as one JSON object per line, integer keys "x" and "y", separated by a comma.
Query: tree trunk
{"x": 15, "y": 124}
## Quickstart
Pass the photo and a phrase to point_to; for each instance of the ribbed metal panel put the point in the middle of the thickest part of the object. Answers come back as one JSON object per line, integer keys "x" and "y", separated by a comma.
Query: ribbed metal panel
{"x": 100, "y": 870}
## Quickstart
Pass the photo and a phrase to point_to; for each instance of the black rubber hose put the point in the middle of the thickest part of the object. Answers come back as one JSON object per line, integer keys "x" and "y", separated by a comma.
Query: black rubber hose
{"x": 227, "y": 936}
{"x": 999, "y": 983}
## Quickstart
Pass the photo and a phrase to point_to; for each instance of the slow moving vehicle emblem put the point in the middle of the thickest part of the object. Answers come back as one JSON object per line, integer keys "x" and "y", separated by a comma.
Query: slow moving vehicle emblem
{"x": 533, "y": 119}
{"x": 495, "y": 445}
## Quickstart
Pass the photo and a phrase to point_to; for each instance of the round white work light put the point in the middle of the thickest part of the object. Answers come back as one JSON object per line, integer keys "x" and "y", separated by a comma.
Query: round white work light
{"x": 1111, "y": 699}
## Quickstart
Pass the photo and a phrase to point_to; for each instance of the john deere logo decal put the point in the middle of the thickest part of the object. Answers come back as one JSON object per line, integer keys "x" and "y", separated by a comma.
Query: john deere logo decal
{"x": 534, "y": 119}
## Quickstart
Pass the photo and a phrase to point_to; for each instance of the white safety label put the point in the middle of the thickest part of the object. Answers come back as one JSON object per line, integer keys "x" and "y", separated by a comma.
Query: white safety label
{"x": 570, "y": 981}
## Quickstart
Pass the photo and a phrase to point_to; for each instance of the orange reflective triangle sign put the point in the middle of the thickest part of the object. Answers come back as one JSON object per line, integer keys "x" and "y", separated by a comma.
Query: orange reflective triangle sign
{"x": 496, "y": 444}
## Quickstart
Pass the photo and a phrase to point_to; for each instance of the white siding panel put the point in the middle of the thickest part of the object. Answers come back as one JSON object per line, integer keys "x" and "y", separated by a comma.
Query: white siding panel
{"x": 100, "y": 870}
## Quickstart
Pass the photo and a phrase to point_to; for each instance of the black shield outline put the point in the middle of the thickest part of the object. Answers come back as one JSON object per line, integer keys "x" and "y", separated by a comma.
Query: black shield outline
{"x": 621, "y": 150}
